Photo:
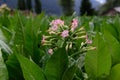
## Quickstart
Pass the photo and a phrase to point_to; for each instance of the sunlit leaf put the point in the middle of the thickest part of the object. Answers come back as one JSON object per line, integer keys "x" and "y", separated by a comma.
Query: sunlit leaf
{"x": 3, "y": 69}
{"x": 115, "y": 73}
{"x": 56, "y": 65}
{"x": 98, "y": 62}
{"x": 30, "y": 70}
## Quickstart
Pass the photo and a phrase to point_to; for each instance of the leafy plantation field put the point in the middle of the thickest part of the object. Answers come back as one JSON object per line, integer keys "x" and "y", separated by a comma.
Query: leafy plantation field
{"x": 24, "y": 57}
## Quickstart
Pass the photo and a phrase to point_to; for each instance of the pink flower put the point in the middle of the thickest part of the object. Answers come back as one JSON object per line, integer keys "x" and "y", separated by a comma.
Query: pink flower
{"x": 43, "y": 39}
{"x": 88, "y": 41}
{"x": 57, "y": 22}
{"x": 54, "y": 28}
{"x": 74, "y": 24}
{"x": 50, "y": 51}
{"x": 65, "y": 33}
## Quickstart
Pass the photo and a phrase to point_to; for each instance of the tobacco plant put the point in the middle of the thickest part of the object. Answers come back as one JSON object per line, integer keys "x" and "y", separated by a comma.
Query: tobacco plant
{"x": 59, "y": 48}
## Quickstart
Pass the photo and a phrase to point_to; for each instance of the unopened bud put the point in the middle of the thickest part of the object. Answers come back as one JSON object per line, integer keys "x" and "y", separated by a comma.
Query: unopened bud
{"x": 67, "y": 47}
{"x": 47, "y": 37}
{"x": 47, "y": 44}
{"x": 65, "y": 26}
{"x": 52, "y": 39}
{"x": 82, "y": 43}
{"x": 82, "y": 37}
{"x": 81, "y": 29}
{"x": 70, "y": 46}
{"x": 50, "y": 51}
{"x": 91, "y": 48}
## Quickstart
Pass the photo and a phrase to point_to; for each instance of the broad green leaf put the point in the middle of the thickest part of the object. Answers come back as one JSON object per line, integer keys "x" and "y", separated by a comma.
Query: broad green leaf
{"x": 26, "y": 37}
{"x": 56, "y": 65}
{"x": 114, "y": 49}
{"x": 19, "y": 31}
{"x": 3, "y": 69}
{"x": 30, "y": 70}
{"x": 116, "y": 25}
{"x": 31, "y": 40}
{"x": 110, "y": 28}
{"x": 115, "y": 73}
{"x": 69, "y": 73}
{"x": 98, "y": 62}
{"x": 38, "y": 23}
{"x": 14, "y": 69}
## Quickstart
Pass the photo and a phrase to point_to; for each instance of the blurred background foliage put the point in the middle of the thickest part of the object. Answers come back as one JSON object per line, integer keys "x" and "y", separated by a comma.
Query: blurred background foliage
{"x": 27, "y": 5}
{"x": 68, "y": 7}
{"x": 110, "y": 4}
{"x": 86, "y": 8}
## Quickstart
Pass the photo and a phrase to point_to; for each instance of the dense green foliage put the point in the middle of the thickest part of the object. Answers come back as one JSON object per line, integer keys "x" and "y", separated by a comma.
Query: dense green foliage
{"x": 27, "y": 5}
{"x": 22, "y": 57}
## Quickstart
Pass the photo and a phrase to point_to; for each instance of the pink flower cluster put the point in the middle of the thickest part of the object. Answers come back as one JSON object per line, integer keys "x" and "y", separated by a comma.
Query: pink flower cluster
{"x": 55, "y": 24}
{"x": 74, "y": 24}
{"x": 65, "y": 33}
{"x": 59, "y": 31}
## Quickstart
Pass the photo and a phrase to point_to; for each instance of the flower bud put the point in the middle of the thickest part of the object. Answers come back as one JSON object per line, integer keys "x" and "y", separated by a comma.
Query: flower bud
{"x": 82, "y": 37}
{"x": 82, "y": 43}
{"x": 88, "y": 41}
{"x": 50, "y": 51}
{"x": 70, "y": 46}
{"x": 81, "y": 29}
{"x": 67, "y": 47}
{"x": 91, "y": 48}
{"x": 47, "y": 44}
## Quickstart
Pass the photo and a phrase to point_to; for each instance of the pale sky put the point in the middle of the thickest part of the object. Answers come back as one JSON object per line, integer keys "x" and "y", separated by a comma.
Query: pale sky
{"x": 101, "y": 1}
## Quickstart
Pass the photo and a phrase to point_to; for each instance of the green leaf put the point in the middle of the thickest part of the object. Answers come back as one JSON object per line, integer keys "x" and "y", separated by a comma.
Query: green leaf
{"x": 19, "y": 31}
{"x": 31, "y": 40}
{"x": 26, "y": 37}
{"x": 5, "y": 47}
{"x": 2, "y": 36}
{"x": 98, "y": 62}
{"x": 56, "y": 65}
{"x": 115, "y": 73}
{"x": 4, "y": 20}
{"x": 114, "y": 49}
{"x": 3, "y": 69}
{"x": 7, "y": 33}
{"x": 69, "y": 73}
{"x": 60, "y": 43}
{"x": 14, "y": 69}
{"x": 31, "y": 71}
